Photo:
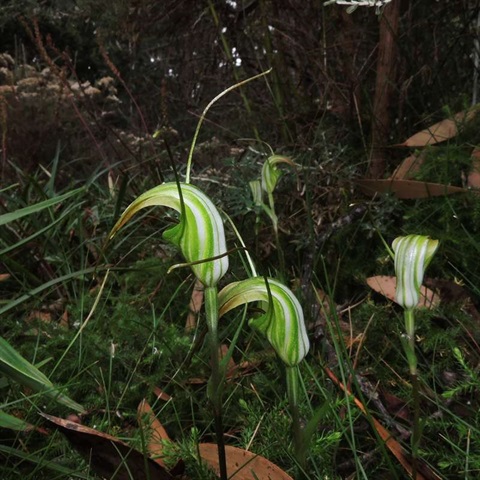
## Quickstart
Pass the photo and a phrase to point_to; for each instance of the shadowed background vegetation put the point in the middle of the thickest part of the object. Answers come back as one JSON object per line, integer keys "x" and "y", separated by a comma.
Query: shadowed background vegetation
{"x": 174, "y": 57}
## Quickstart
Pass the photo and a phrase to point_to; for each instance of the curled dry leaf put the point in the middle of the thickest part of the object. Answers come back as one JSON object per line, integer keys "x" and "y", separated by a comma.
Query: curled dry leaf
{"x": 386, "y": 286}
{"x": 241, "y": 464}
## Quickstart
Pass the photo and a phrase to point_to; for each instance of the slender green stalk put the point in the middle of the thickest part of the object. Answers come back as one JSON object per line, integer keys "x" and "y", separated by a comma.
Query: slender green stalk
{"x": 281, "y": 258}
{"x": 409, "y": 347}
{"x": 215, "y": 386}
{"x": 408, "y": 340}
{"x": 292, "y": 376}
{"x": 204, "y": 113}
{"x": 417, "y": 432}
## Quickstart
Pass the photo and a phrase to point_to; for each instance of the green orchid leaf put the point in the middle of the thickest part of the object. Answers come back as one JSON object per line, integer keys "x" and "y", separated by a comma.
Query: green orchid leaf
{"x": 271, "y": 174}
{"x": 199, "y": 234}
{"x": 413, "y": 253}
{"x": 15, "y": 367}
{"x": 283, "y": 323}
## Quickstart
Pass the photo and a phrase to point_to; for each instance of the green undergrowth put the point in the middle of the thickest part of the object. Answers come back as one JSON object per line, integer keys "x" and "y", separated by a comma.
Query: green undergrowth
{"x": 110, "y": 345}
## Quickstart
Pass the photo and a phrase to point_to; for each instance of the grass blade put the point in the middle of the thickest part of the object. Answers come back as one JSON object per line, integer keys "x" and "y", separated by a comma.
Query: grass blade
{"x": 22, "y": 212}
{"x": 13, "y": 365}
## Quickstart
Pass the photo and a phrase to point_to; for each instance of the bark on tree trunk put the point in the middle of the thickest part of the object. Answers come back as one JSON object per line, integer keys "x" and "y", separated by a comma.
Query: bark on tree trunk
{"x": 385, "y": 81}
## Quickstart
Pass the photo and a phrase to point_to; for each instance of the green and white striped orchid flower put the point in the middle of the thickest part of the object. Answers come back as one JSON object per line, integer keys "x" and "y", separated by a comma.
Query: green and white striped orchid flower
{"x": 271, "y": 174}
{"x": 283, "y": 323}
{"x": 413, "y": 253}
{"x": 199, "y": 234}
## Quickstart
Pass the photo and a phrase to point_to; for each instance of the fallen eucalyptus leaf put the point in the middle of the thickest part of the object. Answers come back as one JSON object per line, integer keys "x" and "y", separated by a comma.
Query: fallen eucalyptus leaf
{"x": 241, "y": 464}
{"x": 406, "y": 189}
{"x": 107, "y": 455}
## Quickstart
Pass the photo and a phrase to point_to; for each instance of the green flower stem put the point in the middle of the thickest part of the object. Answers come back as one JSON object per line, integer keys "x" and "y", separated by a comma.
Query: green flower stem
{"x": 417, "y": 431}
{"x": 215, "y": 386}
{"x": 409, "y": 322}
{"x": 292, "y": 376}
{"x": 274, "y": 219}
{"x": 409, "y": 340}
{"x": 409, "y": 347}
{"x": 281, "y": 258}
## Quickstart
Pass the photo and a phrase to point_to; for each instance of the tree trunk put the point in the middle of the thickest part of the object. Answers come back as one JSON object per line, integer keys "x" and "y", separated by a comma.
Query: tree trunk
{"x": 385, "y": 81}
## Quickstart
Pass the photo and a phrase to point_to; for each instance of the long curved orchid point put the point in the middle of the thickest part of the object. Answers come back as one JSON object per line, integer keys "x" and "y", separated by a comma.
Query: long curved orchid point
{"x": 199, "y": 234}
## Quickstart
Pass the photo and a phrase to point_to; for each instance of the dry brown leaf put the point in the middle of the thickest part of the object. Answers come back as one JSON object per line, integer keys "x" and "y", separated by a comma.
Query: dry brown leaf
{"x": 397, "y": 407}
{"x": 231, "y": 366}
{"x": 351, "y": 341}
{"x": 194, "y": 307}
{"x": 408, "y": 168}
{"x": 155, "y": 434}
{"x": 406, "y": 189}
{"x": 386, "y": 286}
{"x": 4, "y": 277}
{"x": 64, "y": 319}
{"x": 473, "y": 179}
{"x": 440, "y": 131}
{"x": 107, "y": 454}
{"x": 161, "y": 395}
{"x": 42, "y": 316}
{"x": 241, "y": 464}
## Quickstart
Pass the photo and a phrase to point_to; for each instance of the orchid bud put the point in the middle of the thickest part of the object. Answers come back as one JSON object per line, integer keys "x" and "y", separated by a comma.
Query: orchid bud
{"x": 413, "y": 253}
{"x": 283, "y": 322}
{"x": 199, "y": 233}
{"x": 256, "y": 189}
{"x": 271, "y": 174}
